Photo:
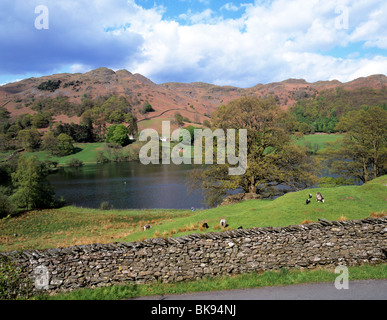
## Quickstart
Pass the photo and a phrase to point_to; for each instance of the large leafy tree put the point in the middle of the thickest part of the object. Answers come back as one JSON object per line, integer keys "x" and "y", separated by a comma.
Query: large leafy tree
{"x": 363, "y": 149}
{"x": 65, "y": 144}
{"x": 272, "y": 159}
{"x": 29, "y": 139}
{"x": 118, "y": 134}
{"x": 50, "y": 143}
{"x": 33, "y": 191}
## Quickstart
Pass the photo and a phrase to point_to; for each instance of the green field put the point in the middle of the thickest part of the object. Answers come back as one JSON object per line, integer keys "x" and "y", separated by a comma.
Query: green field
{"x": 84, "y": 151}
{"x": 319, "y": 139}
{"x": 74, "y": 226}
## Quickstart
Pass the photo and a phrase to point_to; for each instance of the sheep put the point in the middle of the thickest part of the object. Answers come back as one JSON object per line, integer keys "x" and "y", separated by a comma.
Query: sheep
{"x": 205, "y": 225}
{"x": 146, "y": 227}
{"x": 307, "y": 201}
{"x": 310, "y": 196}
{"x": 319, "y": 197}
{"x": 223, "y": 223}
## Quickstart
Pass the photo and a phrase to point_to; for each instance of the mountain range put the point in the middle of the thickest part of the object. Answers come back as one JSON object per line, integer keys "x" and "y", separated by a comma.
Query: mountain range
{"x": 195, "y": 101}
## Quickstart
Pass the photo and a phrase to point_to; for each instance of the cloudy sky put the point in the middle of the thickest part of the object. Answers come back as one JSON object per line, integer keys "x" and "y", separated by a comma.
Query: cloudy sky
{"x": 239, "y": 43}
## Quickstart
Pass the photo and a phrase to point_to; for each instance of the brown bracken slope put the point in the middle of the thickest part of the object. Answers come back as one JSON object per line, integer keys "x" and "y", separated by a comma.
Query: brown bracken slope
{"x": 193, "y": 100}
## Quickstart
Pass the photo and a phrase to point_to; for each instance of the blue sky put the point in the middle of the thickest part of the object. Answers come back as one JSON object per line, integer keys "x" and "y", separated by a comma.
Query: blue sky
{"x": 240, "y": 43}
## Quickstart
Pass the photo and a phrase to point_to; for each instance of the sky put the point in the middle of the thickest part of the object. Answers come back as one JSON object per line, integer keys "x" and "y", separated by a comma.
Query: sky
{"x": 238, "y": 43}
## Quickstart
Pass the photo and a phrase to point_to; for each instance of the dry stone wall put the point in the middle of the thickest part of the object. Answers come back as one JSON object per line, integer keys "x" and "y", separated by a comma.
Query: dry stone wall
{"x": 326, "y": 243}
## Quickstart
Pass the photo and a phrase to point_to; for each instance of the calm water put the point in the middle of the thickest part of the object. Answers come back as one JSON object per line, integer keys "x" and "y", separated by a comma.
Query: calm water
{"x": 127, "y": 185}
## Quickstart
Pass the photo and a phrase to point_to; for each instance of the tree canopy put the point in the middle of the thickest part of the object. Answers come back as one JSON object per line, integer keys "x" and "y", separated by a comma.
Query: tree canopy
{"x": 272, "y": 159}
{"x": 33, "y": 191}
{"x": 363, "y": 150}
{"x": 118, "y": 134}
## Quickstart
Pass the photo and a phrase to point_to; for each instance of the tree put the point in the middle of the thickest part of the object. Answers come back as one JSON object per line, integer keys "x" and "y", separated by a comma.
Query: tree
{"x": 363, "y": 150}
{"x": 304, "y": 128}
{"x": 132, "y": 124}
{"x": 272, "y": 159}
{"x": 50, "y": 143}
{"x": 179, "y": 119}
{"x": 33, "y": 191}
{"x": 6, "y": 207}
{"x": 118, "y": 134}
{"x": 39, "y": 120}
{"x": 29, "y": 139}
{"x": 148, "y": 107}
{"x": 65, "y": 144}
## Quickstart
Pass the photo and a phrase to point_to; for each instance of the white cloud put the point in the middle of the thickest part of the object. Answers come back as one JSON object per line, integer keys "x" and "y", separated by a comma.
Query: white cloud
{"x": 270, "y": 41}
{"x": 229, "y": 6}
{"x": 274, "y": 41}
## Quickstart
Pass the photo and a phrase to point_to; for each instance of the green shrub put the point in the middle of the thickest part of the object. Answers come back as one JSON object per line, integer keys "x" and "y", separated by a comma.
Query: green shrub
{"x": 100, "y": 157}
{"x": 50, "y": 85}
{"x": 104, "y": 205}
{"x": 148, "y": 107}
{"x": 6, "y": 207}
{"x": 75, "y": 163}
{"x": 12, "y": 284}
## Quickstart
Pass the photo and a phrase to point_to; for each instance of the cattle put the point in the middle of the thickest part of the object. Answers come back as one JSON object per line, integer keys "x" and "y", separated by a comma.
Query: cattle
{"x": 307, "y": 201}
{"x": 223, "y": 223}
{"x": 319, "y": 197}
{"x": 146, "y": 227}
{"x": 205, "y": 225}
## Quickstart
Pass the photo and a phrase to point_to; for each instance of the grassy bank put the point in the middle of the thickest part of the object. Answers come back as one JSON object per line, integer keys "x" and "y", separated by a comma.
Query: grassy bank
{"x": 85, "y": 152}
{"x": 74, "y": 226}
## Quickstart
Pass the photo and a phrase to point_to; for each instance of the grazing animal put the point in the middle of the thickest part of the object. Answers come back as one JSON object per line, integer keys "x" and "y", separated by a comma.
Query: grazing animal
{"x": 307, "y": 201}
{"x": 223, "y": 223}
{"x": 319, "y": 197}
{"x": 240, "y": 228}
{"x": 310, "y": 196}
{"x": 146, "y": 227}
{"x": 205, "y": 225}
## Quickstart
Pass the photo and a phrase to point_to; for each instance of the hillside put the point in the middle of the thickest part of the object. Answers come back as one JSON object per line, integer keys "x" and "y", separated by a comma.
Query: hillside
{"x": 70, "y": 226}
{"x": 195, "y": 101}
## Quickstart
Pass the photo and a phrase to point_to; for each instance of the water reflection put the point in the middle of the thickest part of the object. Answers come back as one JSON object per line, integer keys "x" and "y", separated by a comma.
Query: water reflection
{"x": 127, "y": 185}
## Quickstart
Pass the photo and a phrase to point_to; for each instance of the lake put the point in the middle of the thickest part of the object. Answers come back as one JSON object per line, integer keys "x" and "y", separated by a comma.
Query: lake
{"x": 127, "y": 185}
{"x": 130, "y": 185}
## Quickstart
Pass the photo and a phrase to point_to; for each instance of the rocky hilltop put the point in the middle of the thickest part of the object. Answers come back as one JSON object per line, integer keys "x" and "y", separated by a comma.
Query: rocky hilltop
{"x": 194, "y": 100}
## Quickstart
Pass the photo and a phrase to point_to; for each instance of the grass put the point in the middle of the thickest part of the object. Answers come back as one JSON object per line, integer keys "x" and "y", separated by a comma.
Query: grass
{"x": 319, "y": 139}
{"x": 346, "y": 202}
{"x": 280, "y": 277}
{"x": 74, "y": 226}
{"x": 85, "y": 152}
